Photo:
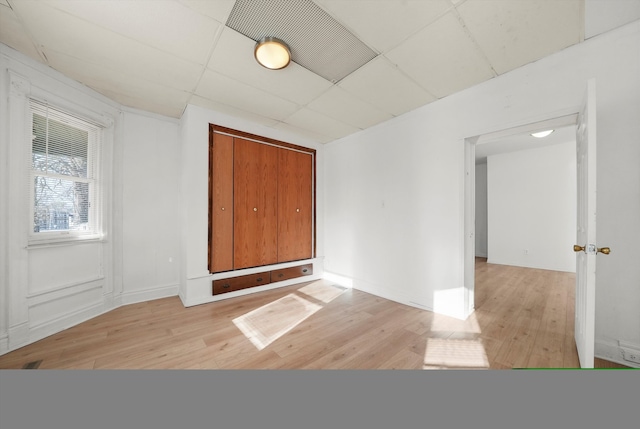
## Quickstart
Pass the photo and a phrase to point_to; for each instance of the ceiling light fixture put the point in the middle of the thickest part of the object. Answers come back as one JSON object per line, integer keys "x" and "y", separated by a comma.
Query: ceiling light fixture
{"x": 272, "y": 53}
{"x": 542, "y": 134}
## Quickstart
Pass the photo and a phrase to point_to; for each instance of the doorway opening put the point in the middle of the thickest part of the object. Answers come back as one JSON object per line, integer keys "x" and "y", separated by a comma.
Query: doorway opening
{"x": 513, "y": 140}
{"x": 522, "y": 219}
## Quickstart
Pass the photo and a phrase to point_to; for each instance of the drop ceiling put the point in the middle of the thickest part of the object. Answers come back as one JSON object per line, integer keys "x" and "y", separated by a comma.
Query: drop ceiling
{"x": 160, "y": 55}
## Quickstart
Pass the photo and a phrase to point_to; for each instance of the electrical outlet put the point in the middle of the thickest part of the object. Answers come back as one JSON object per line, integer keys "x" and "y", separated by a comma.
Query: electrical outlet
{"x": 630, "y": 354}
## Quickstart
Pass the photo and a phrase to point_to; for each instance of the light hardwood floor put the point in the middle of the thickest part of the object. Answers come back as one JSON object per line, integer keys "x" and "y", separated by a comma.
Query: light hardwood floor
{"x": 523, "y": 319}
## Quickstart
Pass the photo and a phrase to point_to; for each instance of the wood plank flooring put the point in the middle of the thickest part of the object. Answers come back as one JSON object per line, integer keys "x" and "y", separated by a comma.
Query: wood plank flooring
{"x": 523, "y": 319}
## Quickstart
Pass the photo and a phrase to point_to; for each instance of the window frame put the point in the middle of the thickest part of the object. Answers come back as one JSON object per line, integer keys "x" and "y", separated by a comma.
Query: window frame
{"x": 94, "y": 148}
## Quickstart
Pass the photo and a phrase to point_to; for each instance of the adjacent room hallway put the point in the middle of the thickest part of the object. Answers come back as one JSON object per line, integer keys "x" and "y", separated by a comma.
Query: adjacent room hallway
{"x": 523, "y": 319}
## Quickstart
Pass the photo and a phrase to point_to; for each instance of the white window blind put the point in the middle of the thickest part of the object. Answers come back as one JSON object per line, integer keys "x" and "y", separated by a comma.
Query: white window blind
{"x": 64, "y": 151}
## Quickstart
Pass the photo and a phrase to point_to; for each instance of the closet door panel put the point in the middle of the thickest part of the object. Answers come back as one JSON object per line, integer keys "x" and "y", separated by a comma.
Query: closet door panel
{"x": 295, "y": 204}
{"x": 221, "y": 203}
{"x": 255, "y": 204}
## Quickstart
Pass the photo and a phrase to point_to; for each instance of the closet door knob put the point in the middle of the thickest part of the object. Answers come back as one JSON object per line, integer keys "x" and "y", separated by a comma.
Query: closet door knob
{"x": 255, "y": 209}
{"x": 222, "y": 209}
{"x": 298, "y": 210}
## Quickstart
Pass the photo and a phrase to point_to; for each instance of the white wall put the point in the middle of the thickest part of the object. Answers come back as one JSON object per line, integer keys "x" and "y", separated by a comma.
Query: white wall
{"x": 481, "y": 211}
{"x": 395, "y": 192}
{"x": 47, "y": 288}
{"x": 605, "y": 15}
{"x": 532, "y": 207}
{"x": 195, "y": 284}
{"x": 151, "y": 207}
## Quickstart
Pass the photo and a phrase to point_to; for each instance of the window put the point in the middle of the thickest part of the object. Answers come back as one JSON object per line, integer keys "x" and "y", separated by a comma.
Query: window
{"x": 64, "y": 170}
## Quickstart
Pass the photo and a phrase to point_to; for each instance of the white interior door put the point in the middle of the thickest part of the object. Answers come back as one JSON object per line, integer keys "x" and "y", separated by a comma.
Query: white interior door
{"x": 586, "y": 229}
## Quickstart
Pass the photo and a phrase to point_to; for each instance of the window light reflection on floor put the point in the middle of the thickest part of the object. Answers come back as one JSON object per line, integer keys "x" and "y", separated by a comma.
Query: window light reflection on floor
{"x": 266, "y": 324}
{"x": 455, "y": 354}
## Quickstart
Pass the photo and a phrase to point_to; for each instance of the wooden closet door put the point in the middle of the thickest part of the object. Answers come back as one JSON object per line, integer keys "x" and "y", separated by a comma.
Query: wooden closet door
{"x": 255, "y": 204}
{"x": 295, "y": 203}
{"x": 221, "y": 203}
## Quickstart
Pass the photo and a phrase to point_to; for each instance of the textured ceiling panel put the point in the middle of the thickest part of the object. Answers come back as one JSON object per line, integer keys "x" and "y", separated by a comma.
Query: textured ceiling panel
{"x": 512, "y": 34}
{"x": 384, "y": 24}
{"x": 394, "y": 92}
{"x": 389, "y": 56}
{"x": 317, "y": 41}
{"x": 13, "y": 34}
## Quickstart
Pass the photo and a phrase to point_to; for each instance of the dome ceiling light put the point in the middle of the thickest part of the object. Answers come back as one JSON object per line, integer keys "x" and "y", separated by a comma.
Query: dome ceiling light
{"x": 542, "y": 134}
{"x": 272, "y": 53}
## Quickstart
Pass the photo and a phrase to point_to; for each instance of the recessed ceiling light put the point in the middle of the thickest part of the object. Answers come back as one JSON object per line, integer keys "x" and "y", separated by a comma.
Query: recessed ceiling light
{"x": 272, "y": 53}
{"x": 542, "y": 134}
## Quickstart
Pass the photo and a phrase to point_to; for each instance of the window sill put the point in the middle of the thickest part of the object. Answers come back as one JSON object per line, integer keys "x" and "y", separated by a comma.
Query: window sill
{"x": 67, "y": 240}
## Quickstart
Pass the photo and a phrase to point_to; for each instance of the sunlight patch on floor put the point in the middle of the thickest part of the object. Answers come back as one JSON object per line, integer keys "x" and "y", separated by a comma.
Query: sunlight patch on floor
{"x": 266, "y": 324}
{"x": 455, "y": 354}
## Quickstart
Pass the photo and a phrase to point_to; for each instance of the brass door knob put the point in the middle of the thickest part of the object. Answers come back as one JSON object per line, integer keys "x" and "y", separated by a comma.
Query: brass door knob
{"x": 604, "y": 250}
{"x": 577, "y": 248}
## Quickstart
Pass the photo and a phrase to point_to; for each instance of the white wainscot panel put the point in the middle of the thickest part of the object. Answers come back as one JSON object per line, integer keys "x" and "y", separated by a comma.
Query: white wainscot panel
{"x": 51, "y": 312}
{"x": 59, "y": 267}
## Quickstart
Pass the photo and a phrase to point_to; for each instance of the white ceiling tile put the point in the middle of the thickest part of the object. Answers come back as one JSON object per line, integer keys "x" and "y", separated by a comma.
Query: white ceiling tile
{"x": 233, "y": 57}
{"x": 232, "y": 111}
{"x": 165, "y": 104}
{"x": 13, "y": 35}
{"x": 384, "y": 86}
{"x": 345, "y": 107}
{"x": 442, "y": 58}
{"x": 57, "y": 32}
{"x": 226, "y": 90}
{"x": 189, "y": 35}
{"x": 383, "y": 24}
{"x": 515, "y": 33}
{"x": 320, "y": 124}
{"x": 218, "y": 9}
{"x": 132, "y": 91}
{"x": 319, "y": 138}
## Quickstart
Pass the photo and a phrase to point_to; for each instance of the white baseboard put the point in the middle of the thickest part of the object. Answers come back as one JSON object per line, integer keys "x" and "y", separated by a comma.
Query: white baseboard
{"x": 149, "y": 294}
{"x": 37, "y": 333}
{"x": 399, "y": 298}
{"x": 610, "y": 350}
{"x": 18, "y": 335}
{"x": 4, "y": 344}
{"x": 22, "y": 335}
{"x": 338, "y": 279}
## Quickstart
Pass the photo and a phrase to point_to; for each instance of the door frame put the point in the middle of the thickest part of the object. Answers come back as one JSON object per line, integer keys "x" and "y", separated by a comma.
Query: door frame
{"x": 568, "y": 117}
